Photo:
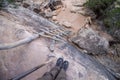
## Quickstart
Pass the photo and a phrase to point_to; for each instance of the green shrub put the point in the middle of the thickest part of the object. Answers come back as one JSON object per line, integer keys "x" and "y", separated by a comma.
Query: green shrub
{"x": 98, "y": 6}
{"x": 110, "y": 12}
{"x": 112, "y": 19}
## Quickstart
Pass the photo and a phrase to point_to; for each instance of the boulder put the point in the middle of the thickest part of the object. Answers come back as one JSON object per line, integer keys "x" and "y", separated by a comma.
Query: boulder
{"x": 91, "y": 41}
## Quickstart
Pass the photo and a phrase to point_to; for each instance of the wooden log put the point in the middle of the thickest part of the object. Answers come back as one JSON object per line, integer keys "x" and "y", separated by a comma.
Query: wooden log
{"x": 6, "y": 46}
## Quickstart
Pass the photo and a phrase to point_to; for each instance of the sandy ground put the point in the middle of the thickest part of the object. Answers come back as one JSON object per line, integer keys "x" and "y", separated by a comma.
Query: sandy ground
{"x": 76, "y": 20}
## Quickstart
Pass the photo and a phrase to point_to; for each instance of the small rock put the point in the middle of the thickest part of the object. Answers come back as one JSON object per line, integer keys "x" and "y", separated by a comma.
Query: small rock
{"x": 48, "y": 15}
{"x": 54, "y": 18}
{"x": 67, "y": 24}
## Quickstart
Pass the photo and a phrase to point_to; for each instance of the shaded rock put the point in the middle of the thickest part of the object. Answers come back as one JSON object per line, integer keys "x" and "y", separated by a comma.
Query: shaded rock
{"x": 36, "y": 10}
{"x": 87, "y": 12}
{"x": 91, "y": 41}
{"x": 33, "y": 5}
{"x": 54, "y": 4}
{"x": 57, "y": 2}
{"x": 26, "y": 5}
{"x": 117, "y": 34}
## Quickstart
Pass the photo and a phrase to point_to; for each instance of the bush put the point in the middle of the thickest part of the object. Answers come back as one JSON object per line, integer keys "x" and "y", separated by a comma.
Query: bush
{"x": 98, "y": 6}
{"x": 110, "y": 12}
{"x": 112, "y": 20}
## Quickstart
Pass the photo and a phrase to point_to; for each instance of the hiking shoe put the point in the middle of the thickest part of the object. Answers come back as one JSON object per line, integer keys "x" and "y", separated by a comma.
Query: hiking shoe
{"x": 65, "y": 65}
{"x": 59, "y": 62}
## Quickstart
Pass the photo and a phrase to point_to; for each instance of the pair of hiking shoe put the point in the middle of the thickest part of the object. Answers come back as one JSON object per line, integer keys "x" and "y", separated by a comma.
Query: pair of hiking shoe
{"x": 62, "y": 64}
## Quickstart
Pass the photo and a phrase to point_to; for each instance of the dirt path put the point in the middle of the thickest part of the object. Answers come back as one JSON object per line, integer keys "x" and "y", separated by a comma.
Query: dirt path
{"x": 76, "y": 20}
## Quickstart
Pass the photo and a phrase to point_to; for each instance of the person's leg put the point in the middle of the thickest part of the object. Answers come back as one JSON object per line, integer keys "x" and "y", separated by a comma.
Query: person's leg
{"x": 53, "y": 72}
{"x": 62, "y": 73}
{"x": 50, "y": 75}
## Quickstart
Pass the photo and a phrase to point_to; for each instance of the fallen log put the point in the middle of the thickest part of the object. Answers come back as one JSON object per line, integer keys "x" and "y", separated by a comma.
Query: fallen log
{"x": 6, "y": 46}
{"x": 18, "y": 43}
